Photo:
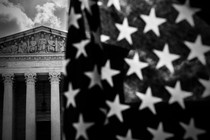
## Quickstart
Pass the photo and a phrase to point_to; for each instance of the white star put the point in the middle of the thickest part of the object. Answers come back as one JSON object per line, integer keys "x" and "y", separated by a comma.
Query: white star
{"x": 116, "y": 108}
{"x": 135, "y": 65}
{"x": 125, "y": 31}
{"x": 82, "y": 127}
{"x": 185, "y": 12}
{"x": 107, "y": 73}
{"x": 178, "y": 95}
{"x": 86, "y": 4}
{"x": 128, "y": 136}
{"x": 191, "y": 130}
{"x": 152, "y": 22}
{"x": 70, "y": 95}
{"x": 81, "y": 47}
{"x": 100, "y": 3}
{"x": 116, "y": 4}
{"x": 148, "y": 100}
{"x": 64, "y": 65}
{"x": 94, "y": 77}
{"x": 206, "y": 84}
{"x": 166, "y": 58}
{"x": 159, "y": 134}
{"x": 73, "y": 18}
{"x": 197, "y": 49}
{"x": 104, "y": 38}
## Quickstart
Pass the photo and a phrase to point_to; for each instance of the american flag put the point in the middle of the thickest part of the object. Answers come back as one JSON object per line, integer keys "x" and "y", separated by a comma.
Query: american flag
{"x": 137, "y": 70}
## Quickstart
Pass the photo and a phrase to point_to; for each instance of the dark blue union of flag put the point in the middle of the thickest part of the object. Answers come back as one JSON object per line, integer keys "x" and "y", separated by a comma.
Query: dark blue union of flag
{"x": 137, "y": 70}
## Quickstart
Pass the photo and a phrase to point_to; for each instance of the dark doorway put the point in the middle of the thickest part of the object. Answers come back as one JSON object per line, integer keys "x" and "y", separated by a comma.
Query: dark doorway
{"x": 43, "y": 130}
{"x": 19, "y": 108}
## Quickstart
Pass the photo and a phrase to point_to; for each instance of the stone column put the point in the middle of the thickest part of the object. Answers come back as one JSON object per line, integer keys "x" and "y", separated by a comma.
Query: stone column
{"x": 7, "y": 128}
{"x": 55, "y": 106}
{"x": 30, "y": 128}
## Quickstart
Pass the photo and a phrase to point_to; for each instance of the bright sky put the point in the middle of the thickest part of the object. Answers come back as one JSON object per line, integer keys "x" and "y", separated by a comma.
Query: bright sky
{"x": 20, "y": 15}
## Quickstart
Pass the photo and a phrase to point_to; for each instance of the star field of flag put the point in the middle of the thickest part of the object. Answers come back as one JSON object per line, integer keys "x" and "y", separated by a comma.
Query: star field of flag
{"x": 137, "y": 70}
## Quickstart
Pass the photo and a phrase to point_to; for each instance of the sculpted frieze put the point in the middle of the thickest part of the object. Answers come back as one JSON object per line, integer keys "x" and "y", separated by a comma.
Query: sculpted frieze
{"x": 36, "y": 43}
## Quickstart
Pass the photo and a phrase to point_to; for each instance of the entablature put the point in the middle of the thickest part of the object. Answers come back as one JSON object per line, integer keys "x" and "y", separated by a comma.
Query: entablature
{"x": 40, "y": 40}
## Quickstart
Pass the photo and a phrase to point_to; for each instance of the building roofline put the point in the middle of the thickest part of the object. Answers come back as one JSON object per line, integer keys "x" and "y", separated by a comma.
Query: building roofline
{"x": 32, "y": 31}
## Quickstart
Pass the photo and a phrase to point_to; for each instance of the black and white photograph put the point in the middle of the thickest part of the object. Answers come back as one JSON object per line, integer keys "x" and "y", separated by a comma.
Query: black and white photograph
{"x": 104, "y": 70}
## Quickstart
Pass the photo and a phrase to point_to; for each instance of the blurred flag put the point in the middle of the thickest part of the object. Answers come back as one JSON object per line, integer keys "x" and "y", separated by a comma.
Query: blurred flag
{"x": 137, "y": 70}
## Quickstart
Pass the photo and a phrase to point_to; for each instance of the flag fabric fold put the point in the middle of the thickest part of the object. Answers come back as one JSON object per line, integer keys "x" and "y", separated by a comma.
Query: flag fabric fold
{"x": 137, "y": 70}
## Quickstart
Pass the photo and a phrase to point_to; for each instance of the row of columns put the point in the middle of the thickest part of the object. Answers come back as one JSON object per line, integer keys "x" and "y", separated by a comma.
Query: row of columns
{"x": 30, "y": 128}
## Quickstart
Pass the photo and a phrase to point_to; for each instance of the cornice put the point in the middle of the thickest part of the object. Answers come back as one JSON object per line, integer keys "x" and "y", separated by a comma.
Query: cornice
{"x": 34, "y": 57}
{"x": 37, "y": 43}
{"x": 33, "y": 31}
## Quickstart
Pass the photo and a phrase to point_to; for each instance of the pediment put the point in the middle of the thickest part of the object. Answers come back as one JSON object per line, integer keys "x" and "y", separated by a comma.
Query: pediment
{"x": 40, "y": 40}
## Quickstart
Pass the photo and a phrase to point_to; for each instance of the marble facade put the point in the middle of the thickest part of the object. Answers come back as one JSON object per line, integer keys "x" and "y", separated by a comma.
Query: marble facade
{"x": 38, "y": 51}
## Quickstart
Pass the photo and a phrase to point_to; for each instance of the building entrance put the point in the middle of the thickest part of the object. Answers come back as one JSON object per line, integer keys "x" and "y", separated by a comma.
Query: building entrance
{"x": 43, "y": 130}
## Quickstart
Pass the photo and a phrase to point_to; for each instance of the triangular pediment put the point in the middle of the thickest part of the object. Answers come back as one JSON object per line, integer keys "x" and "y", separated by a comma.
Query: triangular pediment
{"x": 39, "y": 40}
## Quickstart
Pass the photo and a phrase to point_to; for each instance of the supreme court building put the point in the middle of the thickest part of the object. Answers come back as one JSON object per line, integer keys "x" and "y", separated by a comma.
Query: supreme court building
{"x": 31, "y": 84}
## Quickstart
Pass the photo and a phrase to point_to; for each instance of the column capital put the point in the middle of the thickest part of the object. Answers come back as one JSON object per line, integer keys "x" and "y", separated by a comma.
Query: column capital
{"x": 30, "y": 78}
{"x": 54, "y": 76}
{"x": 8, "y": 77}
